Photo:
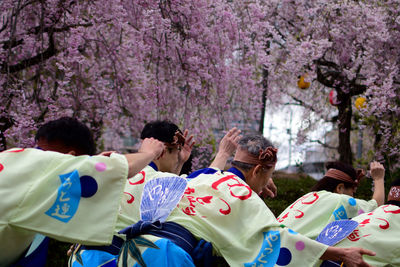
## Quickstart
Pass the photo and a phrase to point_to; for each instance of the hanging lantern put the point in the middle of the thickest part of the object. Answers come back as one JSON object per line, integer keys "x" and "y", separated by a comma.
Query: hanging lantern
{"x": 301, "y": 83}
{"x": 360, "y": 103}
{"x": 333, "y": 98}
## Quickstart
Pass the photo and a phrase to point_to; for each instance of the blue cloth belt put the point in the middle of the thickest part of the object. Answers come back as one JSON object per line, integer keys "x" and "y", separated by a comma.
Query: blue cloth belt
{"x": 114, "y": 248}
{"x": 170, "y": 230}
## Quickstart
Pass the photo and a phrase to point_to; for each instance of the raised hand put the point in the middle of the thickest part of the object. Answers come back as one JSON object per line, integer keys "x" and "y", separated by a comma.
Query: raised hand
{"x": 227, "y": 146}
{"x": 186, "y": 150}
{"x": 229, "y": 142}
{"x": 152, "y": 146}
{"x": 377, "y": 170}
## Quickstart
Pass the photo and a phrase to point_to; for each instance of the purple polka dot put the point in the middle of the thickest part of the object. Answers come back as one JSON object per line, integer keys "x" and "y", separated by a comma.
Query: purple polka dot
{"x": 300, "y": 245}
{"x": 100, "y": 166}
{"x": 360, "y": 211}
{"x": 285, "y": 257}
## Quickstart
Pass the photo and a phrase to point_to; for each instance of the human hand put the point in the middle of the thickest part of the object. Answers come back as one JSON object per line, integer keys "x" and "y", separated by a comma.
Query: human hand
{"x": 186, "y": 150}
{"x": 70, "y": 250}
{"x": 352, "y": 257}
{"x": 152, "y": 146}
{"x": 107, "y": 153}
{"x": 229, "y": 142}
{"x": 377, "y": 171}
{"x": 269, "y": 190}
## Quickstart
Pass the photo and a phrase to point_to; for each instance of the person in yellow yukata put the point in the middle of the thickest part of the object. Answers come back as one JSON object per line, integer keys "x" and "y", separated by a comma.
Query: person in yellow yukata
{"x": 174, "y": 239}
{"x": 61, "y": 195}
{"x": 224, "y": 208}
{"x": 378, "y": 230}
{"x": 332, "y": 198}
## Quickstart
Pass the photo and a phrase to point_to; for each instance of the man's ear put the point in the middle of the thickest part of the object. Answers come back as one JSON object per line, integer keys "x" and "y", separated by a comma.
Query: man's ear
{"x": 257, "y": 169}
{"x": 339, "y": 188}
{"x": 72, "y": 152}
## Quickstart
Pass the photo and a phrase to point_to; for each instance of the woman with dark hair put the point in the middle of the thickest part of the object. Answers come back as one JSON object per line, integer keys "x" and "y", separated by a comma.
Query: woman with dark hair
{"x": 332, "y": 199}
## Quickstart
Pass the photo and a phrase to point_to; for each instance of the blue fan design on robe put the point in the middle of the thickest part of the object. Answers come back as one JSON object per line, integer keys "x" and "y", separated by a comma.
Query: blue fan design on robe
{"x": 160, "y": 196}
{"x": 335, "y": 231}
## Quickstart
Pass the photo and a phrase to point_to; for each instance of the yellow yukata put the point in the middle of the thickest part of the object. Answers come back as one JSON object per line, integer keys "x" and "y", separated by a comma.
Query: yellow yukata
{"x": 378, "y": 231}
{"x": 129, "y": 212}
{"x": 72, "y": 199}
{"x": 312, "y": 212}
{"x": 222, "y": 209}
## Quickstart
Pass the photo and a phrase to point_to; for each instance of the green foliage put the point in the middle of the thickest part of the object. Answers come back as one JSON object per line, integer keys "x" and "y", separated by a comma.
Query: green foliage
{"x": 57, "y": 253}
{"x": 289, "y": 190}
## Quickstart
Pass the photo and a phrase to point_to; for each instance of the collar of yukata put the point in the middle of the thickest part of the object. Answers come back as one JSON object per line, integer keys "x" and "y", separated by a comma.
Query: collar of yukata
{"x": 237, "y": 173}
{"x": 342, "y": 176}
{"x": 394, "y": 193}
{"x": 178, "y": 141}
{"x": 154, "y": 166}
{"x": 266, "y": 158}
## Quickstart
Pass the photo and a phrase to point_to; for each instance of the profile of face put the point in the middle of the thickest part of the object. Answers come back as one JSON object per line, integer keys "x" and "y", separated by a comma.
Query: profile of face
{"x": 259, "y": 177}
{"x": 341, "y": 189}
{"x": 169, "y": 160}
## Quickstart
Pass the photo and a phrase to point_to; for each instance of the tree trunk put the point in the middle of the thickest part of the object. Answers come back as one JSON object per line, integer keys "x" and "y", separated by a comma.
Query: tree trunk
{"x": 263, "y": 99}
{"x": 344, "y": 127}
{"x": 5, "y": 123}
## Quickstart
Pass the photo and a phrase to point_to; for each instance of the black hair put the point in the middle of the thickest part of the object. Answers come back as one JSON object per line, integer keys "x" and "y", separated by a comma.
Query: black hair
{"x": 70, "y": 132}
{"x": 394, "y": 202}
{"x": 329, "y": 184}
{"x": 163, "y": 131}
{"x": 187, "y": 166}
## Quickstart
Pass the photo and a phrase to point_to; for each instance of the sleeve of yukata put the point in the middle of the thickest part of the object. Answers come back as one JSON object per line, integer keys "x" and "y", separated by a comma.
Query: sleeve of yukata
{"x": 351, "y": 207}
{"x": 69, "y": 198}
{"x": 222, "y": 209}
{"x": 378, "y": 231}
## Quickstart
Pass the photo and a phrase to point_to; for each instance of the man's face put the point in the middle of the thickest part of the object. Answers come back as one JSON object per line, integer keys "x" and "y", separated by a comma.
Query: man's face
{"x": 169, "y": 161}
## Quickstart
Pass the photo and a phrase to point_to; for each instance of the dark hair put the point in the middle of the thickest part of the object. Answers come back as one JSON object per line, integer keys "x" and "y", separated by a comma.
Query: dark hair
{"x": 163, "y": 131}
{"x": 394, "y": 202}
{"x": 329, "y": 184}
{"x": 253, "y": 143}
{"x": 70, "y": 132}
{"x": 187, "y": 166}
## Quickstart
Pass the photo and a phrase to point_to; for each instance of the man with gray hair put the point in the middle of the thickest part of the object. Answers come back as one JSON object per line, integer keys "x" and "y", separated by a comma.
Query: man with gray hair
{"x": 224, "y": 208}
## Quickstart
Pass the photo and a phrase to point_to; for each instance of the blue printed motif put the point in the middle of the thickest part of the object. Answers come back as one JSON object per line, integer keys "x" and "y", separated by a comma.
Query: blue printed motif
{"x": 340, "y": 213}
{"x": 68, "y": 197}
{"x": 292, "y": 232}
{"x": 269, "y": 252}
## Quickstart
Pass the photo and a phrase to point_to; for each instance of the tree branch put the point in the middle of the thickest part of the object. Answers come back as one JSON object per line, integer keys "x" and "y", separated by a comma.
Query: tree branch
{"x": 323, "y": 144}
{"x": 48, "y": 53}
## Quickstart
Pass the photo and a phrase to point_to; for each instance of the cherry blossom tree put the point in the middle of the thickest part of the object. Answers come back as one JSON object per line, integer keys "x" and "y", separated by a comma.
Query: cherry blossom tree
{"x": 117, "y": 65}
{"x": 203, "y": 64}
{"x": 348, "y": 47}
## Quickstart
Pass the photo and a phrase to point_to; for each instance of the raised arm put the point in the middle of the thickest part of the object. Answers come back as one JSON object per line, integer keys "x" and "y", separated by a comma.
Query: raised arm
{"x": 378, "y": 175}
{"x": 227, "y": 147}
{"x": 149, "y": 150}
{"x": 351, "y": 257}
